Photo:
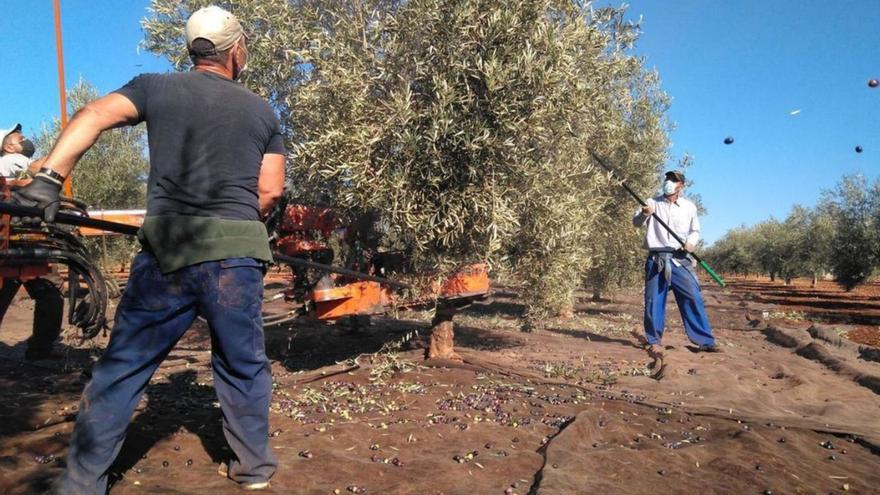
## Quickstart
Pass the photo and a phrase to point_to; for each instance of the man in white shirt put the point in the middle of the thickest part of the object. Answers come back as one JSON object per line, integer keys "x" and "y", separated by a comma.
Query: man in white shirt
{"x": 15, "y": 159}
{"x": 16, "y": 152}
{"x": 670, "y": 266}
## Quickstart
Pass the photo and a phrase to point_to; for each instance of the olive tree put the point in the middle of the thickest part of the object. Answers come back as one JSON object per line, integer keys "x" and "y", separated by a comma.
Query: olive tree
{"x": 840, "y": 236}
{"x": 855, "y": 207}
{"x": 464, "y": 126}
{"x": 733, "y": 253}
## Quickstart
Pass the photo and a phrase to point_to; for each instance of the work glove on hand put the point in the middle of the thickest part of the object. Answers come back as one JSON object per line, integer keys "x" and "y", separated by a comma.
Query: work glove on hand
{"x": 42, "y": 193}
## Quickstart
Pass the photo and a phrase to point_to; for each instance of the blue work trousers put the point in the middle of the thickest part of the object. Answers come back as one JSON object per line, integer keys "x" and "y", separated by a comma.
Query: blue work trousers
{"x": 155, "y": 311}
{"x": 688, "y": 296}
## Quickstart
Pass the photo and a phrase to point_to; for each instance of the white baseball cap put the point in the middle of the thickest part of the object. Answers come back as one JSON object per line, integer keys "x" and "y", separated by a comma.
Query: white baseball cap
{"x": 214, "y": 24}
{"x": 5, "y": 132}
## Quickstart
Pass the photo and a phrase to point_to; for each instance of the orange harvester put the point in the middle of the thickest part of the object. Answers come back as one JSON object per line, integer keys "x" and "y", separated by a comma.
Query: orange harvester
{"x": 303, "y": 232}
{"x": 21, "y": 270}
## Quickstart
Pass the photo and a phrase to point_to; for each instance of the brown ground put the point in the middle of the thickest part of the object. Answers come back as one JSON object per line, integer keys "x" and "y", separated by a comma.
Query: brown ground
{"x": 566, "y": 409}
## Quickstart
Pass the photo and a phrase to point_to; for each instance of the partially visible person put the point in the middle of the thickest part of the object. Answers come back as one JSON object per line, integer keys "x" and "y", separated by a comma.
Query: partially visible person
{"x": 670, "y": 266}
{"x": 216, "y": 169}
{"x": 48, "y": 314}
{"x": 16, "y": 154}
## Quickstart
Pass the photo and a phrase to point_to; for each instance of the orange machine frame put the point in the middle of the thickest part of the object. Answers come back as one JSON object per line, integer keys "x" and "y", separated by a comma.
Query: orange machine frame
{"x": 17, "y": 271}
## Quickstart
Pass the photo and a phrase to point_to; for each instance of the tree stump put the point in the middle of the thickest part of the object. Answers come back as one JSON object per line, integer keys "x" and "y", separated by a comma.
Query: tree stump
{"x": 442, "y": 336}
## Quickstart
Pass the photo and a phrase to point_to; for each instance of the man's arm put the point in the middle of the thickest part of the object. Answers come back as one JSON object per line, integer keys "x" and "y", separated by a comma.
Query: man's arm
{"x": 693, "y": 237}
{"x": 113, "y": 110}
{"x": 271, "y": 182}
{"x": 642, "y": 215}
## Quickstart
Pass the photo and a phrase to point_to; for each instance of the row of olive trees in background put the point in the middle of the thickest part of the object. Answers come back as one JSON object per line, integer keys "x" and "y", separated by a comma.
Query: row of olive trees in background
{"x": 840, "y": 236}
{"x": 462, "y": 125}
{"x": 111, "y": 175}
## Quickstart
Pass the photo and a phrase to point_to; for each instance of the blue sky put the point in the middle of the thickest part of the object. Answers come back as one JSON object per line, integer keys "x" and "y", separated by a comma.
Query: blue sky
{"x": 733, "y": 68}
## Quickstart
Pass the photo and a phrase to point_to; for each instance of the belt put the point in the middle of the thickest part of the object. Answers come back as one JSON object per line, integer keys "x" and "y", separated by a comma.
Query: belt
{"x": 664, "y": 257}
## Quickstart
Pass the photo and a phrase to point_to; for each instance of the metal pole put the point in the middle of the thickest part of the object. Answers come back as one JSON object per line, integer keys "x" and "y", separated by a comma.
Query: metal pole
{"x": 62, "y": 90}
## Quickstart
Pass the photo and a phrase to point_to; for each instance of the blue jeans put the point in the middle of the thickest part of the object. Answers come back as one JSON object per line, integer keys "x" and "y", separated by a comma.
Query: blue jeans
{"x": 688, "y": 296}
{"x": 155, "y": 311}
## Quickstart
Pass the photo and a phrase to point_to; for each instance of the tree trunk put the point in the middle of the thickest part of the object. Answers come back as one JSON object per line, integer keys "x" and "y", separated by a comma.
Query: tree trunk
{"x": 815, "y": 280}
{"x": 442, "y": 336}
{"x": 772, "y": 277}
{"x": 597, "y": 295}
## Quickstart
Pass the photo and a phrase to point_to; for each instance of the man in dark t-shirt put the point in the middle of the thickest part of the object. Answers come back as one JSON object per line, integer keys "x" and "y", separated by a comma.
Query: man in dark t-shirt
{"x": 216, "y": 168}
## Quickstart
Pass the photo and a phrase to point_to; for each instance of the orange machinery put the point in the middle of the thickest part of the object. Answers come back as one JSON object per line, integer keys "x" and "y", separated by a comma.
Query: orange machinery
{"x": 303, "y": 232}
{"x": 9, "y": 268}
{"x": 30, "y": 248}
{"x": 370, "y": 298}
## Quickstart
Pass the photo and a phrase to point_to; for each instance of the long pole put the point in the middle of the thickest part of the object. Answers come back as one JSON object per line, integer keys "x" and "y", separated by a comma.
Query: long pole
{"x": 62, "y": 90}
{"x": 663, "y": 224}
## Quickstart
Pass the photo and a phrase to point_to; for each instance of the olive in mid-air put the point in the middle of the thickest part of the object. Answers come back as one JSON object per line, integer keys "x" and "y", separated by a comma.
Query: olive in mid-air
{"x": 728, "y": 140}
{"x": 873, "y": 83}
{"x": 859, "y": 149}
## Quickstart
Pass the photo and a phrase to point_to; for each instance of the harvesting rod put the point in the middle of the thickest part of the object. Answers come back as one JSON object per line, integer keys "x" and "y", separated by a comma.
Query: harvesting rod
{"x": 17, "y": 210}
{"x": 663, "y": 224}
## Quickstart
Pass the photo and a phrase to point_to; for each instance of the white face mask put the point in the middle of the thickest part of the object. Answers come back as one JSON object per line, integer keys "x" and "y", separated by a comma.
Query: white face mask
{"x": 669, "y": 187}
{"x": 243, "y": 66}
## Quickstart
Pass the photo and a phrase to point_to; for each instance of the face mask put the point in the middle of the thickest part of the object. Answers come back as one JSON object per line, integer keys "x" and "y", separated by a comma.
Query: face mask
{"x": 669, "y": 188}
{"x": 243, "y": 66}
{"x": 27, "y": 148}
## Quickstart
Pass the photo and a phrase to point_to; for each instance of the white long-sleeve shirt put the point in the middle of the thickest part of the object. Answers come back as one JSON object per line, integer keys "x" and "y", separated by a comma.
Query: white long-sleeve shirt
{"x": 681, "y": 216}
{"x": 11, "y": 164}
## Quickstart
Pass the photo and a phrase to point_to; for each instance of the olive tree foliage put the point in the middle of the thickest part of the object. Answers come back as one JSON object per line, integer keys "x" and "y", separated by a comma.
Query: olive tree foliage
{"x": 112, "y": 174}
{"x": 854, "y": 206}
{"x": 463, "y": 125}
{"x": 841, "y": 236}
{"x": 819, "y": 243}
{"x": 734, "y": 253}
{"x": 772, "y": 247}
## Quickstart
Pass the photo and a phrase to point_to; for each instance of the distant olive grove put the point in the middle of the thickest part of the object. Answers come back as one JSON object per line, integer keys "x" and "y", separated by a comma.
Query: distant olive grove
{"x": 839, "y": 237}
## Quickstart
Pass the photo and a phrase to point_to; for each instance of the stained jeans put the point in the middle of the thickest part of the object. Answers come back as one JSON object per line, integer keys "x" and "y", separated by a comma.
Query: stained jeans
{"x": 688, "y": 296}
{"x": 48, "y": 310}
{"x": 155, "y": 311}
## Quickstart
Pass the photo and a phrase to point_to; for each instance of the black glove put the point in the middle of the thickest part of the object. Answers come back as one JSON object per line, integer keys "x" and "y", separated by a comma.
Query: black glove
{"x": 42, "y": 193}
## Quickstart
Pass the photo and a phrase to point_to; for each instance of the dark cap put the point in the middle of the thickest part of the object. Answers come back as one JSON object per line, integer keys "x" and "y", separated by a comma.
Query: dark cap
{"x": 675, "y": 175}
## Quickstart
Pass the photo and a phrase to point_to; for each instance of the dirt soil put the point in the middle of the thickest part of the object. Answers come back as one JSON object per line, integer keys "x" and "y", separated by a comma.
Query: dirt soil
{"x": 786, "y": 407}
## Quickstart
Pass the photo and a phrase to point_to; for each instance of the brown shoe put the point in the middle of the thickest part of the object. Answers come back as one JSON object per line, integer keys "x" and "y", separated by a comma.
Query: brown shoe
{"x": 250, "y": 486}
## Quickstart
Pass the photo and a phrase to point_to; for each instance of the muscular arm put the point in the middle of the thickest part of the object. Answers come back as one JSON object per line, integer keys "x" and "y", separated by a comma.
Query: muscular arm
{"x": 271, "y": 182}
{"x": 113, "y": 110}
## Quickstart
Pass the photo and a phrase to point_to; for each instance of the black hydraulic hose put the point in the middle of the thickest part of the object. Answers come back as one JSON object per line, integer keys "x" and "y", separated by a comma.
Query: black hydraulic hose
{"x": 93, "y": 318}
